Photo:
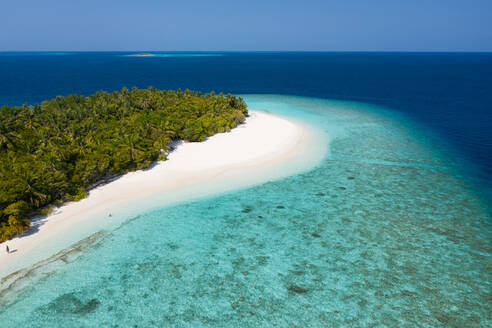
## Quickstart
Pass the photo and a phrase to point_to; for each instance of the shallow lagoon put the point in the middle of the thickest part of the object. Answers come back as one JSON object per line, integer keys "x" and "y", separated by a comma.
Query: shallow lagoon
{"x": 384, "y": 232}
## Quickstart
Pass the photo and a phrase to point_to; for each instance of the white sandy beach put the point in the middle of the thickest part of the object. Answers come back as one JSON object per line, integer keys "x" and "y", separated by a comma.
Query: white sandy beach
{"x": 264, "y": 148}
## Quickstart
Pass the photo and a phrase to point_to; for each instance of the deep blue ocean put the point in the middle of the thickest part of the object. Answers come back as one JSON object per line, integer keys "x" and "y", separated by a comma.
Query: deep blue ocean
{"x": 391, "y": 229}
{"x": 450, "y": 94}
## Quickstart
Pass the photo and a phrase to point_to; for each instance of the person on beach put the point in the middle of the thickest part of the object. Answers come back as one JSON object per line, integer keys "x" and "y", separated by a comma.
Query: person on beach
{"x": 7, "y": 247}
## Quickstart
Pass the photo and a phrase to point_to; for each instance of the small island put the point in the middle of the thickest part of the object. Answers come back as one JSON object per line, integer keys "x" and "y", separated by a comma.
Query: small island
{"x": 142, "y": 54}
{"x": 57, "y": 150}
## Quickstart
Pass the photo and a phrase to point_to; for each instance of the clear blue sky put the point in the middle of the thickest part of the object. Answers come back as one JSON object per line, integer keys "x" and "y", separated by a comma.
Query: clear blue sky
{"x": 325, "y": 25}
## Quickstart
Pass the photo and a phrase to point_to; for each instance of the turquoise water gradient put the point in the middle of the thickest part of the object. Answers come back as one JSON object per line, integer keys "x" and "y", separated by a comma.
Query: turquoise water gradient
{"x": 384, "y": 232}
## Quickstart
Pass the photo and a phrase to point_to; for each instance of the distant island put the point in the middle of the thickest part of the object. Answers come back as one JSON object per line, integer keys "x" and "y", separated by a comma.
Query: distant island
{"x": 142, "y": 54}
{"x": 55, "y": 151}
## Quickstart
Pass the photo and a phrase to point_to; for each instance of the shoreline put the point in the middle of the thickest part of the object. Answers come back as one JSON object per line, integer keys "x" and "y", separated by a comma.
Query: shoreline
{"x": 264, "y": 148}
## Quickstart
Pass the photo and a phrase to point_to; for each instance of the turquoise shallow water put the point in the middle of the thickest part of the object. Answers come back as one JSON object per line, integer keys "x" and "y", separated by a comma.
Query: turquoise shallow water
{"x": 384, "y": 232}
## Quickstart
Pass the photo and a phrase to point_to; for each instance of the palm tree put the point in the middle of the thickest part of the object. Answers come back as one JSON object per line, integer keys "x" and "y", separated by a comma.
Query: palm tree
{"x": 130, "y": 141}
{"x": 7, "y": 137}
{"x": 34, "y": 197}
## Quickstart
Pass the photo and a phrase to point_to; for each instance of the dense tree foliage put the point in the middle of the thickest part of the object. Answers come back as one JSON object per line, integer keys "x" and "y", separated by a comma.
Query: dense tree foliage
{"x": 55, "y": 151}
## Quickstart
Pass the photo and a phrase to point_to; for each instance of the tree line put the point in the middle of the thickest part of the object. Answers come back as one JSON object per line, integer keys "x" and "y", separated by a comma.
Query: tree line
{"x": 55, "y": 151}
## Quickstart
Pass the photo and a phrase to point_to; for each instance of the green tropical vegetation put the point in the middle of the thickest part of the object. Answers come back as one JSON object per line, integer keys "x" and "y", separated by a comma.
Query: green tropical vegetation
{"x": 57, "y": 150}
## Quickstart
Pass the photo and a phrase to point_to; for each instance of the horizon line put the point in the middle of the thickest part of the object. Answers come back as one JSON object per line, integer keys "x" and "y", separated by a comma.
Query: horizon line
{"x": 254, "y": 51}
